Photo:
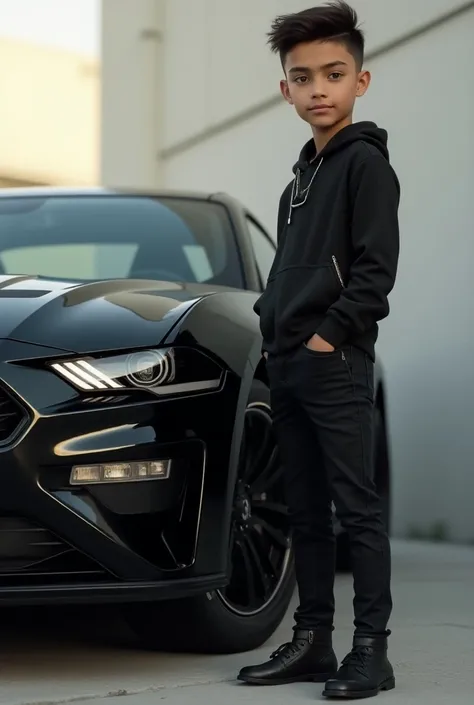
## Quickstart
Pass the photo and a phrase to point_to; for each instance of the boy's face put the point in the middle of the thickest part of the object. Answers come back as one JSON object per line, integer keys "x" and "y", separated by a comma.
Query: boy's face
{"x": 323, "y": 82}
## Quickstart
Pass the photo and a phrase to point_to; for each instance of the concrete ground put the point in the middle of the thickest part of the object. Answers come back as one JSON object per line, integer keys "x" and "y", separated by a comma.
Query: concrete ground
{"x": 432, "y": 649}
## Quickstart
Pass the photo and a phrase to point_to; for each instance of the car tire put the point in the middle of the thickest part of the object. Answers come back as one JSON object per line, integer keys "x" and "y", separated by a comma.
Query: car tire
{"x": 216, "y": 622}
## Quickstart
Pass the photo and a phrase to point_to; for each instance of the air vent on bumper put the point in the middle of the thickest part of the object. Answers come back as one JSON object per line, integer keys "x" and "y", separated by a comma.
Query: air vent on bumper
{"x": 32, "y": 555}
{"x": 13, "y": 417}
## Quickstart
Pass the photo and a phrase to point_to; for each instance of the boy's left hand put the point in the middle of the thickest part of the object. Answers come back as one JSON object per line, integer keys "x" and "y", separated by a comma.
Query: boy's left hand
{"x": 318, "y": 344}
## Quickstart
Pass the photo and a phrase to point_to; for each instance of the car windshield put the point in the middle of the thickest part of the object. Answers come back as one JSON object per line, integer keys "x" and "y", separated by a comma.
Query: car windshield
{"x": 88, "y": 238}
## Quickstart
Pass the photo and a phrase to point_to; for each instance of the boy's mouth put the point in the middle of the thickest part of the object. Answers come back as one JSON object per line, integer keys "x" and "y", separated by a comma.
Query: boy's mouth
{"x": 319, "y": 108}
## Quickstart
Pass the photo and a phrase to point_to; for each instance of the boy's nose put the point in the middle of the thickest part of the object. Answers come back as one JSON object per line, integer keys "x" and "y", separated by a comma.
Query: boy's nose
{"x": 317, "y": 91}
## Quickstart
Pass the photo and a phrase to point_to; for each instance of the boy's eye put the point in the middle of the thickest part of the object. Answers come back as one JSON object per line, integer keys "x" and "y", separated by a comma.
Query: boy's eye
{"x": 335, "y": 75}
{"x": 301, "y": 79}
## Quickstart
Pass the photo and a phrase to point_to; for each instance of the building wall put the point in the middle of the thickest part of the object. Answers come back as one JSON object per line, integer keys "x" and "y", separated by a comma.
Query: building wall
{"x": 49, "y": 126}
{"x": 132, "y": 92}
{"x": 217, "y": 64}
{"x": 223, "y": 127}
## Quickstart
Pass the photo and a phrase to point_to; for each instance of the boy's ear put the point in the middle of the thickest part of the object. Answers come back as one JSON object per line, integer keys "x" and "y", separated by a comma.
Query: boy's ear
{"x": 285, "y": 92}
{"x": 363, "y": 83}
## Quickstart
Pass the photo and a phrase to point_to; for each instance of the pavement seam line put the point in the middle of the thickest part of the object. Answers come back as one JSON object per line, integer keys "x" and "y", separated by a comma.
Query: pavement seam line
{"x": 122, "y": 693}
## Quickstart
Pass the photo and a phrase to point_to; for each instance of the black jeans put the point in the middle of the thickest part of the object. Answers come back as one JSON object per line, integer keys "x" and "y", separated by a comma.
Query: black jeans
{"x": 323, "y": 419}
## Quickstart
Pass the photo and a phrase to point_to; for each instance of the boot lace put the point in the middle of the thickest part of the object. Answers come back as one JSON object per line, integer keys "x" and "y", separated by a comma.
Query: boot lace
{"x": 359, "y": 659}
{"x": 286, "y": 651}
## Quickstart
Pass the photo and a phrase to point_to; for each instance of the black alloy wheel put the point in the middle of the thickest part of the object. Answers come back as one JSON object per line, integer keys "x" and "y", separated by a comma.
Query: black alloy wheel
{"x": 260, "y": 550}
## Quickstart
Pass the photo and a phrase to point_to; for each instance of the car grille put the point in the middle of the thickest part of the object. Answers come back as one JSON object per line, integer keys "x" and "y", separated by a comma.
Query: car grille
{"x": 12, "y": 417}
{"x": 31, "y": 555}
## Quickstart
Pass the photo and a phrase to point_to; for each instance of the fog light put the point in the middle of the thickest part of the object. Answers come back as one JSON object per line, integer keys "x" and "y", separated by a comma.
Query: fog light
{"x": 156, "y": 469}
{"x": 120, "y": 472}
{"x": 86, "y": 473}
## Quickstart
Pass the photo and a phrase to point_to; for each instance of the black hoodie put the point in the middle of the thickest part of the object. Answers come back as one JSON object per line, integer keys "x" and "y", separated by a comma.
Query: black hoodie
{"x": 338, "y": 245}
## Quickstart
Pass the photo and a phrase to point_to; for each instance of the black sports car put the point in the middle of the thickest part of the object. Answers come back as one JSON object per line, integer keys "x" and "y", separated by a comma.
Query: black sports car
{"x": 138, "y": 463}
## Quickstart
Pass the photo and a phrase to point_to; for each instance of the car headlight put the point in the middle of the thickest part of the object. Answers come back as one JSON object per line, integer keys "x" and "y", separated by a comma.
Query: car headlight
{"x": 162, "y": 371}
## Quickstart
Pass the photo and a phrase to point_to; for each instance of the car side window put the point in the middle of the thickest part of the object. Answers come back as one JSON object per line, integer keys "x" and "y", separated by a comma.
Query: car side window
{"x": 263, "y": 248}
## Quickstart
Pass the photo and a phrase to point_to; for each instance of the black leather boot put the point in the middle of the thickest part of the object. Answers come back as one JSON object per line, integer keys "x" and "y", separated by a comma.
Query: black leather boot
{"x": 309, "y": 657}
{"x": 364, "y": 672}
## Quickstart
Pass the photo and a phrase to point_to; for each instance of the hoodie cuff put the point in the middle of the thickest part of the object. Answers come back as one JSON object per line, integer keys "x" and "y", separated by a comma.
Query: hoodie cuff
{"x": 332, "y": 332}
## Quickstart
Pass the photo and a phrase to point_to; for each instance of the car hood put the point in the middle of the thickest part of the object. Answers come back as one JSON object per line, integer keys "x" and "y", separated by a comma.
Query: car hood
{"x": 94, "y": 316}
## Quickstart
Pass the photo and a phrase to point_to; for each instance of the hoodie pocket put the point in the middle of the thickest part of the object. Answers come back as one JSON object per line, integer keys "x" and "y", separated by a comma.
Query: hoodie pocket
{"x": 302, "y": 294}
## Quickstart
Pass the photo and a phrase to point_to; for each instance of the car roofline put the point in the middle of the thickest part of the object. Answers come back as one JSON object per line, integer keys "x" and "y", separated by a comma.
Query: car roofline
{"x": 29, "y": 191}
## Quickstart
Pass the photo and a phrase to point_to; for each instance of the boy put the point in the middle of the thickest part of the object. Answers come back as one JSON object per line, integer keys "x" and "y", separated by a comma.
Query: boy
{"x": 336, "y": 262}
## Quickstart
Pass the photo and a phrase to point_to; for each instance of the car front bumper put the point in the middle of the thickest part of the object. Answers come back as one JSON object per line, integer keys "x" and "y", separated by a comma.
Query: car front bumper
{"x": 148, "y": 540}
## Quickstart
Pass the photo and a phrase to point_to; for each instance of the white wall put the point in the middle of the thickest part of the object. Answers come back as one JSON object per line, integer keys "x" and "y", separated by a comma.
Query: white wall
{"x": 420, "y": 93}
{"x": 216, "y": 66}
{"x": 217, "y": 62}
{"x": 131, "y": 92}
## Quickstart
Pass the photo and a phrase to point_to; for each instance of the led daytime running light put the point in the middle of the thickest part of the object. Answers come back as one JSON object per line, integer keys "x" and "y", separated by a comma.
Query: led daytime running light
{"x": 84, "y": 376}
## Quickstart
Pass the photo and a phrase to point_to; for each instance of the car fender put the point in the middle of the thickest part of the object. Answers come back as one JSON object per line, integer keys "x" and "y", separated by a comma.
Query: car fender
{"x": 226, "y": 326}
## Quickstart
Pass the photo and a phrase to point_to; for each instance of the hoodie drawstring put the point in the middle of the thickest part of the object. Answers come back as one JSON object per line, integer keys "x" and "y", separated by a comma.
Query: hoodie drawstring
{"x": 295, "y": 188}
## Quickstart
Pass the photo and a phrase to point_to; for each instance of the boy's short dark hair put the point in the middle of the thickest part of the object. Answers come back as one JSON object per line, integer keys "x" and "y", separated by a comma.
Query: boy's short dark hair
{"x": 335, "y": 21}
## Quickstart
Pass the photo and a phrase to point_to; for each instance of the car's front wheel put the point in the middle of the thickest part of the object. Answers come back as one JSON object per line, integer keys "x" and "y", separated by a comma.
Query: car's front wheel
{"x": 244, "y": 614}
